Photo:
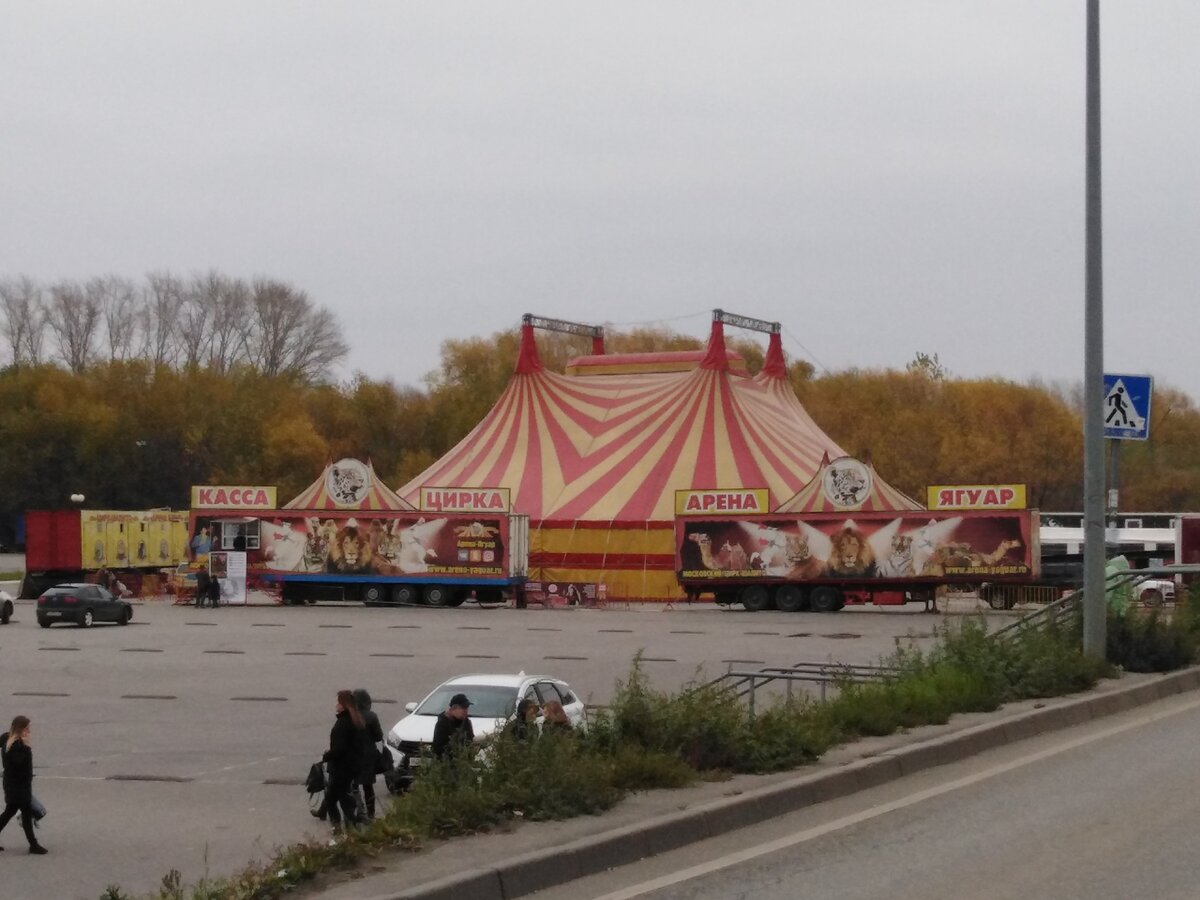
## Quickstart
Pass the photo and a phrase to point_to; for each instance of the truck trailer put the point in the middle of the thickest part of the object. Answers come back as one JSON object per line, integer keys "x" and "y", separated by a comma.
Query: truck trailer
{"x": 378, "y": 557}
{"x": 65, "y": 545}
{"x": 819, "y": 561}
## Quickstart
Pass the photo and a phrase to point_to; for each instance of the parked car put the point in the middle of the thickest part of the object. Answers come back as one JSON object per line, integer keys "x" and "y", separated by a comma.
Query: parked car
{"x": 493, "y": 703}
{"x": 1155, "y": 591}
{"x": 81, "y": 604}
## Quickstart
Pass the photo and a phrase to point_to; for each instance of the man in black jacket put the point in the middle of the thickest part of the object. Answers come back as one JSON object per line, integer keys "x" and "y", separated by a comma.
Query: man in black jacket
{"x": 453, "y": 730}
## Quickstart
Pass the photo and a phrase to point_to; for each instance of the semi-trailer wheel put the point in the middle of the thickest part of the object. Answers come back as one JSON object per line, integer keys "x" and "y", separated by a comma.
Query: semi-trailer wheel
{"x": 405, "y": 593}
{"x": 437, "y": 595}
{"x": 374, "y": 594}
{"x": 756, "y": 598}
{"x": 790, "y": 598}
{"x": 826, "y": 598}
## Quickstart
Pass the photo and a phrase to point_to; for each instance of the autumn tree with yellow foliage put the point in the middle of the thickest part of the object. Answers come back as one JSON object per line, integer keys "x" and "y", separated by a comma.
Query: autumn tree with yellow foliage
{"x": 133, "y": 434}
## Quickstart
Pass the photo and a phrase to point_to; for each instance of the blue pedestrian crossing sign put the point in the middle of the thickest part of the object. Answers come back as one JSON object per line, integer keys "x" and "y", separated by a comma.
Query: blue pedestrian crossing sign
{"x": 1127, "y": 407}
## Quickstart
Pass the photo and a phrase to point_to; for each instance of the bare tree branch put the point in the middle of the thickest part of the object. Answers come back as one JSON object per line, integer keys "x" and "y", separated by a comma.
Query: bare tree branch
{"x": 161, "y": 305}
{"x": 116, "y": 298}
{"x": 195, "y": 318}
{"x": 23, "y": 307}
{"x": 231, "y": 313}
{"x": 287, "y": 335}
{"x": 74, "y": 319}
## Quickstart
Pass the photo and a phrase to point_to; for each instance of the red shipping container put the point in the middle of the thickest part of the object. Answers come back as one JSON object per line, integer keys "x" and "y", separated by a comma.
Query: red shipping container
{"x": 53, "y": 540}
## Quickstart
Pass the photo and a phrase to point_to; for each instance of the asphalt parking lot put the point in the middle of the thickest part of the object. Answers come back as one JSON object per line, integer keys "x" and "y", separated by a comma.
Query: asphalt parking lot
{"x": 178, "y": 742}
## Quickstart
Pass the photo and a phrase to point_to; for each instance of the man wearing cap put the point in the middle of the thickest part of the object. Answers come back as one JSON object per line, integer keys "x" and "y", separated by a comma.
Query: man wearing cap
{"x": 453, "y": 730}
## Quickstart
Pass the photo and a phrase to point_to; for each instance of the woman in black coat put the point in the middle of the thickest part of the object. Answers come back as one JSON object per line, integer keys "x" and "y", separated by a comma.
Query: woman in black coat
{"x": 18, "y": 780}
{"x": 371, "y": 749}
{"x": 344, "y": 759}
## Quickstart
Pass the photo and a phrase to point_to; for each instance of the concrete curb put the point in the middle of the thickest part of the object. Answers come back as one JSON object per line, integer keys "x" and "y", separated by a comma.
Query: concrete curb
{"x": 522, "y": 875}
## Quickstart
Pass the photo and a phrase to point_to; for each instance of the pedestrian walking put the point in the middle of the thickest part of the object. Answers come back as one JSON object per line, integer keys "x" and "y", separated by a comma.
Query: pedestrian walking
{"x": 453, "y": 730}
{"x": 344, "y": 760}
{"x": 18, "y": 780}
{"x": 372, "y": 751}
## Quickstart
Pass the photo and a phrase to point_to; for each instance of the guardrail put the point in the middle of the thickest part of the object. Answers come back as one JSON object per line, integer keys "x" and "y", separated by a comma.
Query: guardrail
{"x": 1073, "y": 601}
{"x": 747, "y": 683}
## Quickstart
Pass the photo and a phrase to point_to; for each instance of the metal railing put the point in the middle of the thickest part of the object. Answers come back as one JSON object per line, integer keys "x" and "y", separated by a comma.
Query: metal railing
{"x": 747, "y": 683}
{"x": 1072, "y": 602}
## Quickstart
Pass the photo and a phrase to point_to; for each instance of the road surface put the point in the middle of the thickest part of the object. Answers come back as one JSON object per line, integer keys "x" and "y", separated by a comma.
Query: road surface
{"x": 1106, "y": 811}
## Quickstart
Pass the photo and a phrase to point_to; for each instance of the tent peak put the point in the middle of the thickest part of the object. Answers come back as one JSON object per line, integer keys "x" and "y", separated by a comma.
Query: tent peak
{"x": 715, "y": 358}
{"x": 528, "y": 360}
{"x": 774, "y": 365}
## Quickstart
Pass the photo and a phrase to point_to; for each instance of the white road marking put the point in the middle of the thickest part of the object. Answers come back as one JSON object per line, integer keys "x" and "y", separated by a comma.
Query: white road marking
{"x": 733, "y": 859}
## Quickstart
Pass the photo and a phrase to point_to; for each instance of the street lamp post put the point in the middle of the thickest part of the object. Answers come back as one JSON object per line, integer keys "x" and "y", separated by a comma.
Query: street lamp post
{"x": 1093, "y": 362}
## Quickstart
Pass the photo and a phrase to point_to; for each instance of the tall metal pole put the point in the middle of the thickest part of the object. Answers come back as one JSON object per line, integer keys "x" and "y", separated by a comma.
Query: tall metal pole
{"x": 1093, "y": 363}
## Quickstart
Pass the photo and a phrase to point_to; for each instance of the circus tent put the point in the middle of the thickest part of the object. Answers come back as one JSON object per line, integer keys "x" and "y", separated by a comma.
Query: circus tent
{"x": 348, "y": 484}
{"x": 595, "y": 458}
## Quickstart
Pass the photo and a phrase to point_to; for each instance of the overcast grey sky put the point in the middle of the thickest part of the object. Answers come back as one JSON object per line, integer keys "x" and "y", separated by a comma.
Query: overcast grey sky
{"x": 881, "y": 177}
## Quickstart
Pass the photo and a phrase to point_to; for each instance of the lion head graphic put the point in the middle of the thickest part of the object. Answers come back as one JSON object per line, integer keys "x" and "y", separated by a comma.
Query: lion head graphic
{"x": 350, "y": 551}
{"x": 851, "y": 554}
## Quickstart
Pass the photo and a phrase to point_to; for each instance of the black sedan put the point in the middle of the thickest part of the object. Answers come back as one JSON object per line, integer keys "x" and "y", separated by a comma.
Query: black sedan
{"x": 82, "y": 604}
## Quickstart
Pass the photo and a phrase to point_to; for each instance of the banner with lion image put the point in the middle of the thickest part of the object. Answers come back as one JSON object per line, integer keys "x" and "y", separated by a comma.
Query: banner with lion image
{"x": 372, "y": 544}
{"x": 887, "y": 546}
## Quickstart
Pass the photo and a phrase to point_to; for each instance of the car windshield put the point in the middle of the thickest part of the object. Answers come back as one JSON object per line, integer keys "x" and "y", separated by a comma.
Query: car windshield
{"x": 488, "y": 701}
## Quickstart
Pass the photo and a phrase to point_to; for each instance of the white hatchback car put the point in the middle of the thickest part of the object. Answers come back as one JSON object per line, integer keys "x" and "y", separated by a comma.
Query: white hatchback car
{"x": 493, "y": 702}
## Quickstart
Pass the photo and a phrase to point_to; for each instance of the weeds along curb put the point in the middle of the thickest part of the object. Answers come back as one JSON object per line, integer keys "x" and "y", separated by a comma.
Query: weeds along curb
{"x": 522, "y": 875}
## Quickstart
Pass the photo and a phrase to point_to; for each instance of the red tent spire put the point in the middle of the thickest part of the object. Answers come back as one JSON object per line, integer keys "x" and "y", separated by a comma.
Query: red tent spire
{"x": 773, "y": 365}
{"x": 715, "y": 357}
{"x": 527, "y": 359}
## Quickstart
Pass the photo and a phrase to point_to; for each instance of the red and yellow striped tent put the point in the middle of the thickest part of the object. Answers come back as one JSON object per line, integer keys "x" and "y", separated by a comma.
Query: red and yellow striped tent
{"x": 594, "y": 459}
{"x": 348, "y": 484}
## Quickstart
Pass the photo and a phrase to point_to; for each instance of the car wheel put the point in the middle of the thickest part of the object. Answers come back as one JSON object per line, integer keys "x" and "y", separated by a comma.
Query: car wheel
{"x": 126, "y": 615}
{"x": 789, "y": 598}
{"x": 756, "y": 598}
{"x": 43, "y": 621}
{"x": 86, "y": 619}
{"x": 825, "y": 598}
{"x": 404, "y": 593}
{"x": 6, "y": 613}
{"x": 1153, "y": 597}
{"x": 437, "y": 595}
